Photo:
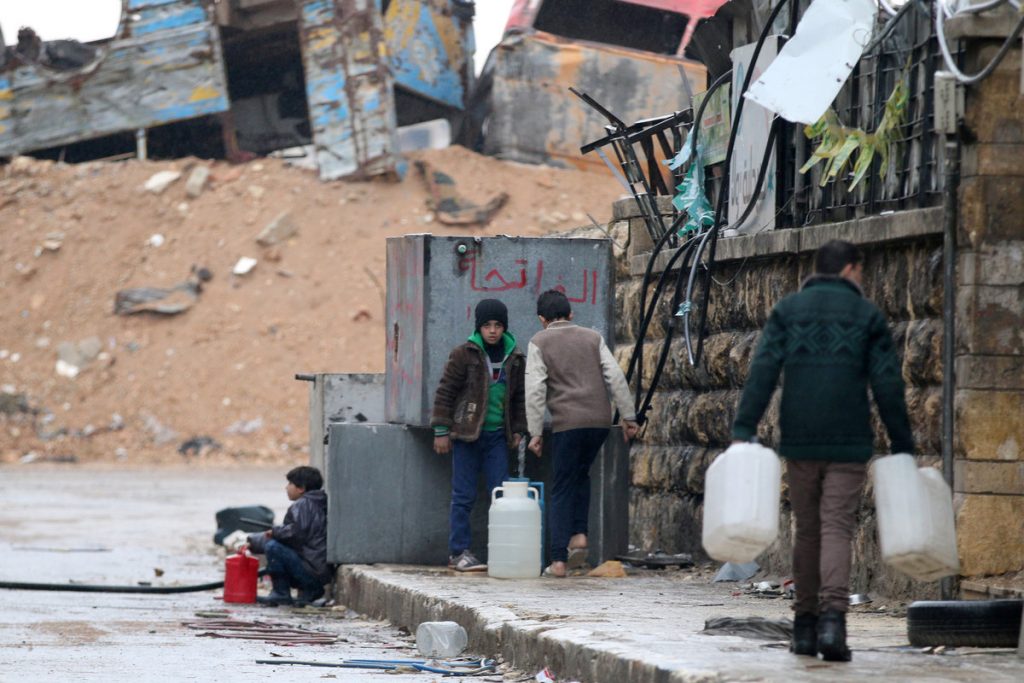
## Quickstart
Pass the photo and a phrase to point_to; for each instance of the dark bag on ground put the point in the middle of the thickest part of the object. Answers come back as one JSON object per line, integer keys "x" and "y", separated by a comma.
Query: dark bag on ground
{"x": 247, "y": 518}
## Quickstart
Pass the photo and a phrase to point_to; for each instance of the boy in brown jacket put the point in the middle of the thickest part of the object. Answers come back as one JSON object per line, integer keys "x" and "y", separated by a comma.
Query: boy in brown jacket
{"x": 480, "y": 404}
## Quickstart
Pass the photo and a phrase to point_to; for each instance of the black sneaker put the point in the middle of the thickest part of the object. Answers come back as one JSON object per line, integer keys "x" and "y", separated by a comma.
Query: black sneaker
{"x": 466, "y": 562}
{"x": 274, "y": 599}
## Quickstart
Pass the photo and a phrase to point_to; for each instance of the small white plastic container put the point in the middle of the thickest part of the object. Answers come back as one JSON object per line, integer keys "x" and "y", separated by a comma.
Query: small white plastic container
{"x": 513, "y": 532}
{"x": 440, "y": 639}
{"x": 741, "y": 503}
{"x": 916, "y": 529}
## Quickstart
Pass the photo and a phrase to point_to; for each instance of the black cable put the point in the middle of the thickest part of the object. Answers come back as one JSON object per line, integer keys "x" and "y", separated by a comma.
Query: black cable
{"x": 702, "y": 328}
{"x": 89, "y": 588}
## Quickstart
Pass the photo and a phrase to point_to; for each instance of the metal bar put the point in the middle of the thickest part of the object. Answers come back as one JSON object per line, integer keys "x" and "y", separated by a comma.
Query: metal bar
{"x": 952, "y": 180}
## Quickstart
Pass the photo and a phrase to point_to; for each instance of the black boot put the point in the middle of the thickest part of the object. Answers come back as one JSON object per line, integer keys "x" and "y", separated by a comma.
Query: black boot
{"x": 832, "y": 637}
{"x": 805, "y": 635}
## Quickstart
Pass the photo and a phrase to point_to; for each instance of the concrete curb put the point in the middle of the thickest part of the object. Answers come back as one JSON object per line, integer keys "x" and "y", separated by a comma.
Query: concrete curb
{"x": 527, "y": 644}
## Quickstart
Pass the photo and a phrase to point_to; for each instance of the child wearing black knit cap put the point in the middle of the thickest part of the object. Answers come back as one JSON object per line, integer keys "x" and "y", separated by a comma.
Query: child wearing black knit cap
{"x": 480, "y": 406}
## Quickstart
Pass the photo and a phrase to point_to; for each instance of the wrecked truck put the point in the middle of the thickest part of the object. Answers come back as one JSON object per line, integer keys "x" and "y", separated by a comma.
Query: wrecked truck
{"x": 244, "y": 77}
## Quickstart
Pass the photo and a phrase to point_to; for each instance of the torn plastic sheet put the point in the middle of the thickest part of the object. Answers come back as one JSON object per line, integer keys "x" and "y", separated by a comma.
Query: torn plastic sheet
{"x": 691, "y": 198}
{"x": 810, "y": 70}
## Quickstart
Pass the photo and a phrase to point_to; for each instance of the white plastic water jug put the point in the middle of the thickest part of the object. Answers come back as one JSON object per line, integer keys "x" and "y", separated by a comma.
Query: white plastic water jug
{"x": 741, "y": 503}
{"x": 513, "y": 532}
{"x": 916, "y": 532}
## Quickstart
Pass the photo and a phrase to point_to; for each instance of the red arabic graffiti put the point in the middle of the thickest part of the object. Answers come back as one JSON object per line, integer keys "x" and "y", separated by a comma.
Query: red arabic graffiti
{"x": 494, "y": 281}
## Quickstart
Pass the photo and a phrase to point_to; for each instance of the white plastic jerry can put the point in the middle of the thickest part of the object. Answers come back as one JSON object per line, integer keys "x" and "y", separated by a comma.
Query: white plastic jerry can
{"x": 513, "y": 532}
{"x": 916, "y": 532}
{"x": 741, "y": 503}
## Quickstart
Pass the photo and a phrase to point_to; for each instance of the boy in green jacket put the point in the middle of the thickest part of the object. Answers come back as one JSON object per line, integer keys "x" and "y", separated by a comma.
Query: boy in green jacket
{"x": 832, "y": 343}
{"x": 480, "y": 404}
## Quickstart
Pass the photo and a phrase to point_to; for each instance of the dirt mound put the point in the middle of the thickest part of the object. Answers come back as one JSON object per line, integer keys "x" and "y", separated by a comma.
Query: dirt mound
{"x": 79, "y": 382}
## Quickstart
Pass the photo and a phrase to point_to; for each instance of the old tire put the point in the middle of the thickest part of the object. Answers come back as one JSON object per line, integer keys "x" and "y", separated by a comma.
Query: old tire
{"x": 972, "y": 623}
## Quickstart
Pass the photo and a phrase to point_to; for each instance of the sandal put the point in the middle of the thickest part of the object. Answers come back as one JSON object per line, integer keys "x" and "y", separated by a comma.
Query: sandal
{"x": 577, "y": 558}
{"x": 551, "y": 574}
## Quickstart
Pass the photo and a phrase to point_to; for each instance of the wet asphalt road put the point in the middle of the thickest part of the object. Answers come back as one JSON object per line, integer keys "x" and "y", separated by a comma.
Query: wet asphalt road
{"x": 126, "y": 526}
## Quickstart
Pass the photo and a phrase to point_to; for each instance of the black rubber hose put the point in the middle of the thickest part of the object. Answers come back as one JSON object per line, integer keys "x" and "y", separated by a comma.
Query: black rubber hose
{"x": 761, "y": 174}
{"x": 88, "y": 588}
{"x": 92, "y": 588}
{"x": 637, "y": 356}
{"x": 669, "y": 334}
{"x": 702, "y": 329}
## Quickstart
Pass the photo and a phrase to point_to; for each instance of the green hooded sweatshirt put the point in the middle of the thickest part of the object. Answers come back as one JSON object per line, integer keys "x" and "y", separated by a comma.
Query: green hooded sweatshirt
{"x": 494, "y": 420}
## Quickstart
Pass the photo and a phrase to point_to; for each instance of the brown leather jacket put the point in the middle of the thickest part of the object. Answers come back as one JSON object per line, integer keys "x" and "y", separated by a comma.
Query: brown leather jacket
{"x": 460, "y": 403}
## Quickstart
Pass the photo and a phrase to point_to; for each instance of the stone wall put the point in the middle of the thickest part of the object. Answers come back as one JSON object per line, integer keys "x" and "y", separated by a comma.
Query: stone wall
{"x": 691, "y": 414}
{"x": 989, "y": 447}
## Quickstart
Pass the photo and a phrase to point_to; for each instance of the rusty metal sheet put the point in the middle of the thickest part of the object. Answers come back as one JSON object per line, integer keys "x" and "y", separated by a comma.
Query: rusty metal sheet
{"x": 163, "y": 65}
{"x": 348, "y": 88}
{"x": 536, "y": 119}
{"x": 429, "y": 45}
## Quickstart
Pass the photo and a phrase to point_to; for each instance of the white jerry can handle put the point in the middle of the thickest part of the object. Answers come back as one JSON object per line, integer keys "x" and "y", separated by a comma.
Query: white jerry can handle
{"x": 494, "y": 493}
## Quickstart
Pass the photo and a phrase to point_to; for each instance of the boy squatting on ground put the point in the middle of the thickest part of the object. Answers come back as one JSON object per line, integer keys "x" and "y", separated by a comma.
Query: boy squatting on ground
{"x": 297, "y": 549}
{"x": 571, "y": 373}
{"x": 480, "y": 405}
{"x": 831, "y": 342}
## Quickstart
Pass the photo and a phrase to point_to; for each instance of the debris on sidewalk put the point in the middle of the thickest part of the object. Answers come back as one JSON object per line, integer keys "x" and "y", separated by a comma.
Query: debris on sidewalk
{"x": 545, "y": 676}
{"x": 450, "y": 207}
{"x": 749, "y": 627}
{"x": 441, "y": 639}
{"x": 735, "y": 571}
{"x": 612, "y": 569}
{"x": 657, "y": 559}
{"x": 267, "y": 631}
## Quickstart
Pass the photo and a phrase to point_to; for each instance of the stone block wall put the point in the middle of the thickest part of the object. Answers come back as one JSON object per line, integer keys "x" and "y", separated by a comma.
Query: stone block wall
{"x": 989, "y": 446}
{"x": 692, "y": 411}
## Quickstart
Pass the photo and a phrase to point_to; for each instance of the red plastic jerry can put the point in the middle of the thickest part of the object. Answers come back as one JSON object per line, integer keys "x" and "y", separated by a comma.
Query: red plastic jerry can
{"x": 240, "y": 574}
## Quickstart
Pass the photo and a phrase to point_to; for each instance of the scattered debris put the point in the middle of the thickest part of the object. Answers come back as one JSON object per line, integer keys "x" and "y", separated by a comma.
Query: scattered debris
{"x": 244, "y": 265}
{"x": 612, "y": 569}
{"x": 72, "y": 357}
{"x": 198, "y": 446}
{"x": 246, "y": 426}
{"x": 170, "y": 301}
{"x": 32, "y": 457}
{"x": 197, "y": 180}
{"x": 159, "y": 182}
{"x": 161, "y": 433}
{"x": 155, "y": 240}
{"x": 278, "y": 230}
{"x": 362, "y": 314}
{"x": 451, "y": 209}
{"x": 441, "y": 639}
{"x": 657, "y": 559}
{"x": 545, "y": 676}
{"x": 749, "y": 627}
{"x": 53, "y": 242}
{"x": 13, "y": 404}
{"x": 735, "y": 571}
{"x": 269, "y": 632}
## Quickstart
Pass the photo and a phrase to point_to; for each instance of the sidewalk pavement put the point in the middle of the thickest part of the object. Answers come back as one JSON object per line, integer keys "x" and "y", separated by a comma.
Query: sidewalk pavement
{"x": 646, "y": 628}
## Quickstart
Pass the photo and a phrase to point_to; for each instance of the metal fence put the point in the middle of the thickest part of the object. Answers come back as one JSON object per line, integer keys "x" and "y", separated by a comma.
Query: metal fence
{"x": 913, "y": 178}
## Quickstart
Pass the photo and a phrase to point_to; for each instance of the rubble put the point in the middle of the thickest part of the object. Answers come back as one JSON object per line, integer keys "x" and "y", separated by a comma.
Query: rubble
{"x": 159, "y": 182}
{"x": 278, "y": 230}
{"x": 197, "y": 180}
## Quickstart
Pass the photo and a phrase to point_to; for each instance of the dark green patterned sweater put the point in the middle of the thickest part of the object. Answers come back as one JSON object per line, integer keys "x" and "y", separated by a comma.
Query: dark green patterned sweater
{"x": 830, "y": 343}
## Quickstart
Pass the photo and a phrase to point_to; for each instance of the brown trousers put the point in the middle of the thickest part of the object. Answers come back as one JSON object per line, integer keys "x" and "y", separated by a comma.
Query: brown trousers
{"x": 824, "y": 496}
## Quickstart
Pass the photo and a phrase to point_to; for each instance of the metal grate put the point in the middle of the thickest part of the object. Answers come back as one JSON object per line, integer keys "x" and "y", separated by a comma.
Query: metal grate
{"x": 914, "y": 178}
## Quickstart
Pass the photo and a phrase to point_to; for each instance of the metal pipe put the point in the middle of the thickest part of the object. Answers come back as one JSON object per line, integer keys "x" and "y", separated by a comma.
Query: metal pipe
{"x": 141, "y": 151}
{"x": 951, "y": 163}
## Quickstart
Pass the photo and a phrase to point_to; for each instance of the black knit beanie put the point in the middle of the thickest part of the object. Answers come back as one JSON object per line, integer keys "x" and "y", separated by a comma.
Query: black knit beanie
{"x": 491, "y": 309}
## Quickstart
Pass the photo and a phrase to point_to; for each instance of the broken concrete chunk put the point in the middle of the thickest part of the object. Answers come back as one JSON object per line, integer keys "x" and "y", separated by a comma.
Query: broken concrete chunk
{"x": 161, "y": 181}
{"x": 171, "y": 301}
{"x": 278, "y": 230}
{"x": 244, "y": 265}
{"x": 197, "y": 180}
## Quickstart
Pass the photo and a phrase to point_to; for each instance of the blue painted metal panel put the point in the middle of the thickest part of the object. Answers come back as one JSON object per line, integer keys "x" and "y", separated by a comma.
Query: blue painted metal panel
{"x": 348, "y": 88}
{"x": 429, "y": 48}
{"x": 165, "y": 67}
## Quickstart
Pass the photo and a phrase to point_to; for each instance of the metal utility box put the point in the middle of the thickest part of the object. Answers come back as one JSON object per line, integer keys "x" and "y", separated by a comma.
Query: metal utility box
{"x": 389, "y": 494}
{"x": 340, "y": 397}
{"x": 434, "y": 283}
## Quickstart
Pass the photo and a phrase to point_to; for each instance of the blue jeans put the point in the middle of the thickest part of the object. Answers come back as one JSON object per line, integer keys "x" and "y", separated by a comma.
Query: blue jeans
{"x": 287, "y": 571}
{"x": 574, "y": 451}
{"x": 488, "y": 453}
